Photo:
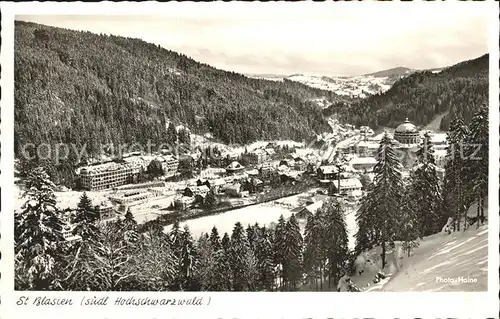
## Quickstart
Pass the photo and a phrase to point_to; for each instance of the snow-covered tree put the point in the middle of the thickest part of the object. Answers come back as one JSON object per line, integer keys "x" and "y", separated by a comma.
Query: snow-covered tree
{"x": 292, "y": 263}
{"x": 378, "y": 216}
{"x": 425, "y": 190}
{"x": 204, "y": 273}
{"x": 155, "y": 262}
{"x": 334, "y": 240}
{"x": 188, "y": 261}
{"x": 210, "y": 200}
{"x": 279, "y": 248}
{"x": 129, "y": 221}
{"x": 313, "y": 258}
{"x": 476, "y": 170}
{"x": 455, "y": 174}
{"x": 103, "y": 264}
{"x": 242, "y": 261}
{"x": 37, "y": 234}
{"x": 215, "y": 239}
{"x": 86, "y": 219}
{"x": 265, "y": 261}
{"x": 221, "y": 272}
{"x": 410, "y": 220}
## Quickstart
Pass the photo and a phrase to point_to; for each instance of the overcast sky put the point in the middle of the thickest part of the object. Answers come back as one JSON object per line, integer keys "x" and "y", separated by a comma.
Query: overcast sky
{"x": 307, "y": 37}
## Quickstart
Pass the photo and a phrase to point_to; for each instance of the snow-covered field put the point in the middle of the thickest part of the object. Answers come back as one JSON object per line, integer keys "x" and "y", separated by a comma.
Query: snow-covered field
{"x": 264, "y": 214}
{"x": 355, "y": 86}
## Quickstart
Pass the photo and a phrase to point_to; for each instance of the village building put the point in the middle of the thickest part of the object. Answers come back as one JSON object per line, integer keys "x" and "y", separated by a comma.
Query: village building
{"x": 106, "y": 176}
{"x": 234, "y": 168}
{"x": 347, "y": 185}
{"x": 105, "y": 210}
{"x": 183, "y": 202}
{"x": 169, "y": 164}
{"x": 217, "y": 185}
{"x": 192, "y": 190}
{"x": 365, "y": 164}
{"x": 255, "y": 157}
{"x": 142, "y": 185}
{"x": 130, "y": 197}
{"x": 309, "y": 210}
{"x": 67, "y": 233}
{"x": 327, "y": 172}
{"x": 407, "y": 133}
{"x": 365, "y": 148}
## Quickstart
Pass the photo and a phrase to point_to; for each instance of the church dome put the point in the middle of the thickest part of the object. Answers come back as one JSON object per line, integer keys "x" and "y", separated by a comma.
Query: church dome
{"x": 406, "y": 127}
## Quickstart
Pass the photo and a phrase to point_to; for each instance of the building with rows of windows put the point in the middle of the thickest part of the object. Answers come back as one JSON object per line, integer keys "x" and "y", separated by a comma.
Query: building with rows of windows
{"x": 106, "y": 176}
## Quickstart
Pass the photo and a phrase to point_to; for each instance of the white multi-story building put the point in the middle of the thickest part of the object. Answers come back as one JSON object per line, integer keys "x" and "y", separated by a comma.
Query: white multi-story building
{"x": 106, "y": 176}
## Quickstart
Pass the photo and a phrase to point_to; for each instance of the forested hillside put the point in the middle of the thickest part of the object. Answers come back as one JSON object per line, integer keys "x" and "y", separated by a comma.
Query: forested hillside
{"x": 82, "y": 88}
{"x": 459, "y": 89}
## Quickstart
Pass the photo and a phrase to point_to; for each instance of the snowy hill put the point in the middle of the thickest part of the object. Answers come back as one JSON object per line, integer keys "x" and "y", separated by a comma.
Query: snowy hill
{"x": 356, "y": 86}
{"x": 436, "y": 265}
{"x": 359, "y": 86}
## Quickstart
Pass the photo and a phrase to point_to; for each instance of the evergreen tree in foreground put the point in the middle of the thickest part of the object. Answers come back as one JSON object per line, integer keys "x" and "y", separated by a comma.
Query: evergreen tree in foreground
{"x": 279, "y": 248}
{"x": 378, "y": 217}
{"x": 292, "y": 261}
{"x": 425, "y": 191}
{"x": 265, "y": 262}
{"x": 215, "y": 239}
{"x": 334, "y": 240}
{"x": 37, "y": 234}
{"x": 410, "y": 221}
{"x": 312, "y": 258}
{"x": 477, "y": 161}
{"x": 455, "y": 174}
{"x": 242, "y": 261}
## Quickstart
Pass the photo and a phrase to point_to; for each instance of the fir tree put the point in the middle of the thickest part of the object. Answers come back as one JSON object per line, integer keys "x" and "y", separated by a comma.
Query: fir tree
{"x": 129, "y": 221}
{"x": 226, "y": 242}
{"x": 204, "y": 273}
{"x": 86, "y": 219}
{"x": 184, "y": 136}
{"x": 242, "y": 260}
{"x": 188, "y": 262}
{"x": 265, "y": 262}
{"x": 37, "y": 234}
{"x": 292, "y": 261}
{"x": 104, "y": 264}
{"x": 221, "y": 272}
{"x": 331, "y": 217}
{"x": 426, "y": 191}
{"x": 477, "y": 161}
{"x": 155, "y": 262}
{"x": 279, "y": 248}
{"x": 410, "y": 220}
{"x": 215, "y": 239}
{"x": 455, "y": 173}
{"x": 155, "y": 168}
{"x": 312, "y": 251}
{"x": 378, "y": 215}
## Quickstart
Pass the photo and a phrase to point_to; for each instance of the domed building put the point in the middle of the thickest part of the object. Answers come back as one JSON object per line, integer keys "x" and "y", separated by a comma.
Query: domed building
{"x": 407, "y": 133}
